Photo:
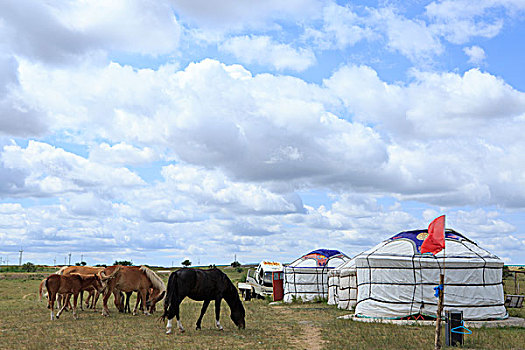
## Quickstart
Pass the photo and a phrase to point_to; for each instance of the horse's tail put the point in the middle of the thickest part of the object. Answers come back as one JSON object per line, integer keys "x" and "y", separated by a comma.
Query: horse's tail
{"x": 169, "y": 310}
{"x": 41, "y": 289}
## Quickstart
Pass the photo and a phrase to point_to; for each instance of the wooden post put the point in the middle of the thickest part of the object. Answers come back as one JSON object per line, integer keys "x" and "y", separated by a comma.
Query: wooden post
{"x": 437, "y": 340}
{"x": 516, "y": 289}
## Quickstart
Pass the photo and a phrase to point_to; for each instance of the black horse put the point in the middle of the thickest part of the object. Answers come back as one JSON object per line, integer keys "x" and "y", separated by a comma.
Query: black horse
{"x": 202, "y": 285}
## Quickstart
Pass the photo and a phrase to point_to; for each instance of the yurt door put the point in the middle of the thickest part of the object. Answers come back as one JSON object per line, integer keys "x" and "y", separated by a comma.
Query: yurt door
{"x": 278, "y": 288}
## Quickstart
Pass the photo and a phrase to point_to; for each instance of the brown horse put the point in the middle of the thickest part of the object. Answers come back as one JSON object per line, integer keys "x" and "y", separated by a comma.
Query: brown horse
{"x": 68, "y": 285}
{"x": 84, "y": 270}
{"x": 133, "y": 278}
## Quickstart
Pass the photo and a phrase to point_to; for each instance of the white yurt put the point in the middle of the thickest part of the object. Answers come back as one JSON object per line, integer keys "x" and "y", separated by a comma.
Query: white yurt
{"x": 342, "y": 285}
{"x": 307, "y": 277}
{"x": 394, "y": 280}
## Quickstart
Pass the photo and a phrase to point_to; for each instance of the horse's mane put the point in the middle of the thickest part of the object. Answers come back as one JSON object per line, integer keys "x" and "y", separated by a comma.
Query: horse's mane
{"x": 154, "y": 278}
{"x": 232, "y": 294}
{"x": 61, "y": 271}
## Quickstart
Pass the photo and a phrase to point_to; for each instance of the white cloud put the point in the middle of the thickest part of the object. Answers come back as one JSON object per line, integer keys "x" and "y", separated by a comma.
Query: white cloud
{"x": 58, "y": 32}
{"x": 413, "y": 38}
{"x": 475, "y": 54}
{"x": 341, "y": 28}
{"x": 243, "y": 127}
{"x": 459, "y": 21}
{"x": 214, "y": 189}
{"x": 121, "y": 154}
{"x": 51, "y": 171}
{"x": 263, "y": 50}
{"x": 434, "y": 105}
{"x": 16, "y": 116}
{"x": 231, "y": 15}
{"x": 458, "y": 119}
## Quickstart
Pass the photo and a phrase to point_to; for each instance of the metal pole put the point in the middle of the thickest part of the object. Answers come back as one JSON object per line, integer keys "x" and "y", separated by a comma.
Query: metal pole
{"x": 437, "y": 340}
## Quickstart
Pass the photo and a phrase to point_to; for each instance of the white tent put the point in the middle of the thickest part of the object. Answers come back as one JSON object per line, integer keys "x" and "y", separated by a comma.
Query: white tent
{"x": 394, "y": 280}
{"x": 307, "y": 277}
{"x": 342, "y": 285}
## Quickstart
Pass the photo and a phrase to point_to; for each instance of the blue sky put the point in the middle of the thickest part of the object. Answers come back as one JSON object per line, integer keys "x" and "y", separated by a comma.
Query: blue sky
{"x": 172, "y": 130}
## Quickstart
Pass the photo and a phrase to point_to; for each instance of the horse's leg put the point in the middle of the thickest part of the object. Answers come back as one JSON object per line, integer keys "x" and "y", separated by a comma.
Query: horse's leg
{"x": 81, "y": 298}
{"x": 143, "y": 300}
{"x": 218, "y": 313}
{"x": 142, "y": 296}
{"x": 65, "y": 302}
{"x": 127, "y": 308}
{"x": 75, "y": 298}
{"x": 203, "y": 310}
{"x": 90, "y": 298}
{"x": 137, "y": 302}
{"x": 59, "y": 300}
{"x": 175, "y": 306}
{"x": 105, "y": 310}
{"x": 139, "y": 296}
{"x": 51, "y": 304}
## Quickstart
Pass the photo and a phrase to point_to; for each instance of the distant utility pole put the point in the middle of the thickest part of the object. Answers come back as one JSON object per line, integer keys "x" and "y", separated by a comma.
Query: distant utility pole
{"x": 55, "y": 261}
{"x": 20, "y": 259}
{"x": 65, "y": 260}
{"x": 81, "y": 257}
{"x": 69, "y": 259}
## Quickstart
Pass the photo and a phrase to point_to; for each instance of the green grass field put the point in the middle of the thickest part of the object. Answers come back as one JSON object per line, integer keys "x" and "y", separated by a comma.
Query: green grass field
{"x": 25, "y": 324}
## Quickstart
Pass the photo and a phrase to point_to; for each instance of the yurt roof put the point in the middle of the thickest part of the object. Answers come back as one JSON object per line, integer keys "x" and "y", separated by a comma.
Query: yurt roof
{"x": 408, "y": 243}
{"x": 321, "y": 256}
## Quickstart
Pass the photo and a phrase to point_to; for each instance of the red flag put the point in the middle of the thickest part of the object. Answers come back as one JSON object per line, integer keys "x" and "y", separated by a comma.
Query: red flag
{"x": 435, "y": 240}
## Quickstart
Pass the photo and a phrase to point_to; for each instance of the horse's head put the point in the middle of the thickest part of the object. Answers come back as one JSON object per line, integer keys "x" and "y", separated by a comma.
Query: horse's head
{"x": 151, "y": 302}
{"x": 238, "y": 313}
{"x": 238, "y": 318}
{"x": 97, "y": 283}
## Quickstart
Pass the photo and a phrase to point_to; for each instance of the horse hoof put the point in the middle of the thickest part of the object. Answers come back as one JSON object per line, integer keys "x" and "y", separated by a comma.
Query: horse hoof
{"x": 198, "y": 328}
{"x": 182, "y": 330}
{"x": 168, "y": 331}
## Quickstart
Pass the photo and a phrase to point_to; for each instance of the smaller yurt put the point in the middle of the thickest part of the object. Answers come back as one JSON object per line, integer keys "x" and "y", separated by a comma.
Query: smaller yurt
{"x": 342, "y": 285}
{"x": 333, "y": 285}
{"x": 307, "y": 277}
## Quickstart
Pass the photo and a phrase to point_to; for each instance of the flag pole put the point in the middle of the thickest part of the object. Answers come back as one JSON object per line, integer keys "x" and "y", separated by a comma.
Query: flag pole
{"x": 437, "y": 340}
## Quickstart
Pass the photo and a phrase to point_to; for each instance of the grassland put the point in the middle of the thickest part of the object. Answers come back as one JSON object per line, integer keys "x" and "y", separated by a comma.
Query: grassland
{"x": 25, "y": 324}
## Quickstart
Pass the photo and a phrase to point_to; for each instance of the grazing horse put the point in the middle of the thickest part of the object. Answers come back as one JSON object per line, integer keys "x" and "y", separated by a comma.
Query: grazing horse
{"x": 67, "y": 285}
{"x": 133, "y": 278}
{"x": 84, "y": 270}
{"x": 202, "y": 285}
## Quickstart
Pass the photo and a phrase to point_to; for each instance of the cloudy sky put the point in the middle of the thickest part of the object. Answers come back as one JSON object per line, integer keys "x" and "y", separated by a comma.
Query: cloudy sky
{"x": 156, "y": 131}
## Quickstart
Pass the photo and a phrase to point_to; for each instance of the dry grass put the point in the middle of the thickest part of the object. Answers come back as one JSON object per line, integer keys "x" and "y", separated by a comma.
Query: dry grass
{"x": 25, "y": 324}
